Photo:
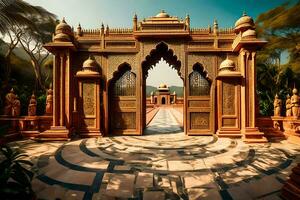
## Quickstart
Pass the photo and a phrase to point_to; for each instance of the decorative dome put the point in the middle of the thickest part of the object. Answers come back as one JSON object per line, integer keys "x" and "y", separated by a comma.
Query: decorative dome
{"x": 163, "y": 86}
{"x": 162, "y": 14}
{"x": 244, "y": 23}
{"x": 227, "y": 65}
{"x": 90, "y": 63}
{"x": 90, "y": 66}
{"x": 63, "y": 31}
{"x": 249, "y": 34}
{"x": 61, "y": 37}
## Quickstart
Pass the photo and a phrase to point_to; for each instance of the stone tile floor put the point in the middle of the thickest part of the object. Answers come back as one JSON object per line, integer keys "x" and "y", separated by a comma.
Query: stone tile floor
{"x": 160, "y": 166}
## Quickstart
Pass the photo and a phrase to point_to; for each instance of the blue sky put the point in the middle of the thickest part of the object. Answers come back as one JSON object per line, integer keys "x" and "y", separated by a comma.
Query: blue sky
{"x": 119, "y": 13}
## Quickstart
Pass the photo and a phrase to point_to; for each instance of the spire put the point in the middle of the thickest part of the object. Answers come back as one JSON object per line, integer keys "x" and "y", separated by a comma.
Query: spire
{"x": 244, "y": 13}
{"x": 135, "y": 22}
{"x": 107, "y": 30}
{"x": 102, "y": 29}
{"x": 216, "y": 27}
{"x": 79, "y": 30}
{"x": 187, "y": 20}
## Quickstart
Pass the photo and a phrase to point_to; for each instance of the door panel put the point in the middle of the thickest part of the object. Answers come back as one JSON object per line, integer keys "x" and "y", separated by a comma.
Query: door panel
{"x": 123, "y": 105}
{"x": 199, "y": 104}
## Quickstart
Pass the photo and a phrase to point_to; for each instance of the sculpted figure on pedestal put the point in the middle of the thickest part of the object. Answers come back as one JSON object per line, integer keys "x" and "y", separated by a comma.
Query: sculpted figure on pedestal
{"x": 277, "y": 106}
{"x": 49, "y": 101}
{"x": 295, "y": 103}
{"x": 288, "y": 106}
{"x": 32, "y": 106}
{"x": 9, "y": 101}
{"x": 16, "y": 107}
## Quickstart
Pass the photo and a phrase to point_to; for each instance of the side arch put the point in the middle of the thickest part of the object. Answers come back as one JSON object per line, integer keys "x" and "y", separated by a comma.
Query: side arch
{"x": 199, "y": 81}
{"x": 200, "y": 101}
{"x": 122, "y": 101}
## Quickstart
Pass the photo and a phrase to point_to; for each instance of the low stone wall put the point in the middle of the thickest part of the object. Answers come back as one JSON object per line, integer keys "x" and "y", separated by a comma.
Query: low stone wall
{"x": 280, "y": 127}
{"x": 23, "y": 126}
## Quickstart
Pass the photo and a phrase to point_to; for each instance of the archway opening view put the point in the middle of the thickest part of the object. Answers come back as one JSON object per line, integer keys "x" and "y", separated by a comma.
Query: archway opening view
{"x": 164, "y": 99}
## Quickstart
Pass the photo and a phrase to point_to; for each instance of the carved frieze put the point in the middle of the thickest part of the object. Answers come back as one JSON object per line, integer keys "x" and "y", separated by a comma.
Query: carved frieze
{"x": 124, "y": 120}
{"x": 199, "y": 120}
{"x": 228, "y": 99}
{"x": 88, "y": 98}
{"x": 114, "y": 61}
{"x": 208, "y": 61}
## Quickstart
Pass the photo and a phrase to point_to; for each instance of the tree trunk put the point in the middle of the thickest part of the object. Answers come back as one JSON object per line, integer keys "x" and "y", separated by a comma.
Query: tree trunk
{"x": 38, "y": 76}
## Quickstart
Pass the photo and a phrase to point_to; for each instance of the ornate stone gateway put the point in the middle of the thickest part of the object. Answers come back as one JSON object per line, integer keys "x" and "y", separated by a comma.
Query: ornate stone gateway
{"x": 100, "y": 77}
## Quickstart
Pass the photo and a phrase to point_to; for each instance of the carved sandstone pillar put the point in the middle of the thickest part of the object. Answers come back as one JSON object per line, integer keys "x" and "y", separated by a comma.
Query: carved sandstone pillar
{"x": 250, "y": 132}
{"x": 62, "y": 47}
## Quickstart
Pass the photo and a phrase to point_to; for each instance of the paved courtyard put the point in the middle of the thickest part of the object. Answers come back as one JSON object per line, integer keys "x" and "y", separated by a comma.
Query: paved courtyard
{"x": 162, "y": 164}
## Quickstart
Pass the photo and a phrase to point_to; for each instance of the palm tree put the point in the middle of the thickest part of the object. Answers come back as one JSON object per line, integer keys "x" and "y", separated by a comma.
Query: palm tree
{"x": 15, "y": 12}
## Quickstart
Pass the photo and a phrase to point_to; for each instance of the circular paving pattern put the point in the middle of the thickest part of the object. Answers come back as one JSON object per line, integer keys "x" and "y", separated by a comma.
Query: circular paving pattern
{"x": 170, "y": 166}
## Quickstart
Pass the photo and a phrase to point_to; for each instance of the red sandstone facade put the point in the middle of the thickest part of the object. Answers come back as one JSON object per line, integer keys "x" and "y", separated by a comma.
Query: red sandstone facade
{"x": 100, "y": 77}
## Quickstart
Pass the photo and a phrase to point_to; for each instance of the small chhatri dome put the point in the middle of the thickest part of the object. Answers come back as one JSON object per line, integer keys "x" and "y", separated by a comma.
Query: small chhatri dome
{"x": 244, "y": 23}
{"x": 227, "y": 65}
{"x": 163, "y": 86}
{"x": 90, "y": 66}
{"x": 162, "y": 14}
{"x": 249, "y": 34}
{"x": 63, "y": 32}
{"x": 90, "y": 63}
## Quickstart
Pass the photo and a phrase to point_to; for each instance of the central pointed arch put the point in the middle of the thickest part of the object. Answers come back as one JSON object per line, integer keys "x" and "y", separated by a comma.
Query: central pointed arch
{"x": 161, "y": 51}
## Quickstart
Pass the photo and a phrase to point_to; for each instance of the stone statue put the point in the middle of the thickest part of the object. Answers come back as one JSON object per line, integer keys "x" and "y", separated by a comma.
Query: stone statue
{"x": 9, "y": 101}
{"x": 16, "y": 107}
{"x": 295, "y": 103}
{"x": 32, "y": 106}
{"x": 288, "y": 106}
{"x": 277, "y": 106}
{"x": 49, "y": 101}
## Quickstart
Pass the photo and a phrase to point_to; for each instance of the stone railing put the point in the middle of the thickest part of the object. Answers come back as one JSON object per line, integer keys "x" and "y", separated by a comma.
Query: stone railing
{"x": 200, "y": 30}
{"x": 120, "y": 30}
{"x": 226, "y": 31}
{"x": 90, "y": 32}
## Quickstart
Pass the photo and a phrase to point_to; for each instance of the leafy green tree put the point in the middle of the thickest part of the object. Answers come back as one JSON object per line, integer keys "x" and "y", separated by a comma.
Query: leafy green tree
{"x": 32, "y": 41}
{"x": 15, "y": 12}
{"x": 281, "y": 28}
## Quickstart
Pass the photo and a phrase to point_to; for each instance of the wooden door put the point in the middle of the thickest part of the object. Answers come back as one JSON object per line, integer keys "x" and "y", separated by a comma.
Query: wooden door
{"x": 199, "y": 104}
{"x": 123, "y": 105}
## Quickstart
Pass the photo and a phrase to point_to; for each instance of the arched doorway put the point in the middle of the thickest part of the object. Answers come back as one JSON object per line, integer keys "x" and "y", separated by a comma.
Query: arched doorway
{"x": 122, "y": 101}
{"x": 200, "y": 101}
{"x": 160, "y": 52}
{"x": 163, "y": 100}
